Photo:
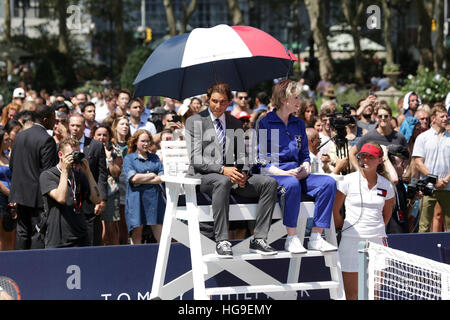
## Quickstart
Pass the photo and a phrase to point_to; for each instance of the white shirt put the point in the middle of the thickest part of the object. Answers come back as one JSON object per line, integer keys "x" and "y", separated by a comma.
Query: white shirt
{"x": 101, "y": 113}
{"x": 435, "y": 151}
{"x": 364, "y": 209}
{"x": 221, "y": 119}
{"x": 149, "y": 126}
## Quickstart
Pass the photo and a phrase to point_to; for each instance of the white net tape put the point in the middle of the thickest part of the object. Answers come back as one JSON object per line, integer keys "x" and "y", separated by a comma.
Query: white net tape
{"x": 397, "y": 275}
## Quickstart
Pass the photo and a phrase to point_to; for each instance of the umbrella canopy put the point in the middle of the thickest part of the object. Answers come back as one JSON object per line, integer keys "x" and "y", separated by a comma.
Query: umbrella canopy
{"x": 186, "y": 65}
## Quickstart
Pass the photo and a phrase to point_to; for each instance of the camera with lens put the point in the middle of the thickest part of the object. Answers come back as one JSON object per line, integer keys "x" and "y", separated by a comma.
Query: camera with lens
{"x": 339, "y": 120}
{"x": 425, "y": 184}
{"x": 78, "y": 156}
{"x": 345, "y": 118}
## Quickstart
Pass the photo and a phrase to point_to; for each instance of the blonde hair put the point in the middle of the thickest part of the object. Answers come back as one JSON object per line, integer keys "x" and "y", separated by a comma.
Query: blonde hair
{"x": 284, "y": 90}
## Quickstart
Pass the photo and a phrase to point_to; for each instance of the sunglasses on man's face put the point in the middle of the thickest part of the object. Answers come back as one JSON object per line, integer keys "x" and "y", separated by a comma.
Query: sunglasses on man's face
{"x": 242, "y": 98}
{"x": 383, "y": 116}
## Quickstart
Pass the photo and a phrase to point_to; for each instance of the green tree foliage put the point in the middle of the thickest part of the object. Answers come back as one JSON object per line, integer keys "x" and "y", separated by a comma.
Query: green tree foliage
{"x": 135, "y": 61}
{"x": 55, "y": 72}
{"x": 431, "y": 88}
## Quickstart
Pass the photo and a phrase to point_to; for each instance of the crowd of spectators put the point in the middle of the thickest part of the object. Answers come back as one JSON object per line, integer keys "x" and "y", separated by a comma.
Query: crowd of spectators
{"x": 130, "y": 131}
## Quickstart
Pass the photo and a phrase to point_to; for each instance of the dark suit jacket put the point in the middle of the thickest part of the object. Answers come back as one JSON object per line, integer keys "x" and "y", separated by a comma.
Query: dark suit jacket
{"x": 205, "y": 151}
{"x": 95, "y": 153}
{"x": 33, "y": 152}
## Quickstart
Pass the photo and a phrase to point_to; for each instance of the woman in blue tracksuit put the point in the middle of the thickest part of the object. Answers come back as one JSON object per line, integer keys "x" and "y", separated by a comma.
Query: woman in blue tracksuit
{"x": 290, "y": 166}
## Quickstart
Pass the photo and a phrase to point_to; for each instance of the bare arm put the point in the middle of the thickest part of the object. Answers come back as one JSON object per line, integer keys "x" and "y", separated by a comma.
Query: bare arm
{"x": 352, "y": 157}
{"x": 115, "y": 167}
{"x": 420, "y": 165}
{"x": 338, "y": 202}
{"x": 387, "y": 210}
{"x": 60, "y": 193}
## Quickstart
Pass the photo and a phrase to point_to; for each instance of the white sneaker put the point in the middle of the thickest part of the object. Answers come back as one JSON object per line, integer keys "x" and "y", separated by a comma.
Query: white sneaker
{"x": 294, "y": 245}
{"x": 321, "y": 245}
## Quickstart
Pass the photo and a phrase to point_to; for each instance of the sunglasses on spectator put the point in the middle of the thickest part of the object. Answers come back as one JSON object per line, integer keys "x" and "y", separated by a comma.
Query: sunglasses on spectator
{"x": 242, "y": 98}
{"x": 60, "y": 121}
{"x": 383, "y": 116}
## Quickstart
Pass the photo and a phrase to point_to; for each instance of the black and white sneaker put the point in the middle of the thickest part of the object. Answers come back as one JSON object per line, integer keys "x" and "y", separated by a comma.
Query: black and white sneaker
{"x": 260, "y": 246}
{"x": 223, "y": 249}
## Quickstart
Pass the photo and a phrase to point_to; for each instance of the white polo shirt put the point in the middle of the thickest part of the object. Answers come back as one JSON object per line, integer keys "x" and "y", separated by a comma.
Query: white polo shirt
{"x": 364, "y": 209}
{"x": 435, "y": 151}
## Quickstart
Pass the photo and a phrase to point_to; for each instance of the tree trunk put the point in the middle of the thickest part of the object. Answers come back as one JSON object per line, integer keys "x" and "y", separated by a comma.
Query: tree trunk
{"x": 235, "y": 13}
{"x": 63, "y": 39}
{"x": 170, "y": 15}
{"x": 318, "y": 30}
{"x": 425, "y": 12}
{"x": 353, "y": 18}
{"x": 388, "y": 32}
{"x": 119, "y": 32}
{"x": 7, "y": 31}
{"x": 187, "y": 13}
{"x": 439, "y": 54}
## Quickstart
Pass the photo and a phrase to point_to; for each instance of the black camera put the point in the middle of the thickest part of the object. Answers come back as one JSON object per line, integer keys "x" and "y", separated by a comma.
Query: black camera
{"x": 9, "y": 222}
{"x": 345, "y": 118}
{"x": 78, "y": 156}
{"x": 426, "y": 185}
{"x": 176, "y": 118}
{"x": 339, "y": 120}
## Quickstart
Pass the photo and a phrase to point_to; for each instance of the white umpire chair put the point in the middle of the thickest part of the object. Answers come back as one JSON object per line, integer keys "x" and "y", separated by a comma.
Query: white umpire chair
{"x": 204, "y": 262}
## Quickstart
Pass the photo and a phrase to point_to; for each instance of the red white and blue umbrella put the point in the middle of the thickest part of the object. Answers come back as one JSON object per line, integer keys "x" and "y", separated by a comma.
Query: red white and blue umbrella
{"x": 187, "y": 64}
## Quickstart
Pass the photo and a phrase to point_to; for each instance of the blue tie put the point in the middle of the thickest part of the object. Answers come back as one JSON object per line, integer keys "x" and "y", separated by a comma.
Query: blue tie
{"x": 221, "y": 137}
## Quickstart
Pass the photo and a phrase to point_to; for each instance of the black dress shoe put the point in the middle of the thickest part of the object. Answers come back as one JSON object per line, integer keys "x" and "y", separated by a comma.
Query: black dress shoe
{"x": 223, "y": 249}
{"x": 262, "y": 247}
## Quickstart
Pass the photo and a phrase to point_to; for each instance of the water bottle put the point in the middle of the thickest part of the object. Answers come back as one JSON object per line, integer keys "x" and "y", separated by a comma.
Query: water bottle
{"x": 314, "y": 165}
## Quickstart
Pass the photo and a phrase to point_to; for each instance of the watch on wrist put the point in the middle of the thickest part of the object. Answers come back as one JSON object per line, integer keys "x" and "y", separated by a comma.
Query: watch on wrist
{"x": 221, "y": 170}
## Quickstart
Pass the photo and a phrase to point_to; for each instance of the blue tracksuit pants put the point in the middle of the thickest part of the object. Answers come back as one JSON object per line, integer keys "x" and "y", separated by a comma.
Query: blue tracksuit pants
{"x": 321, "y": 187}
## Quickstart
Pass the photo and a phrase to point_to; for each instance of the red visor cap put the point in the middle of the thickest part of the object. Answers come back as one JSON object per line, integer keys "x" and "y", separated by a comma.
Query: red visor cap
{"x": 371, "y": 149}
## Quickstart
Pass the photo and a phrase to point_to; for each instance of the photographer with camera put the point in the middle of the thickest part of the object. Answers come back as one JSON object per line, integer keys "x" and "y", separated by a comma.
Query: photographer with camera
{"x": 402, "y": 221}
{"x": 431, "y": 155}
{"x": 94, "y": 151}
{"x": 65, "y": 188}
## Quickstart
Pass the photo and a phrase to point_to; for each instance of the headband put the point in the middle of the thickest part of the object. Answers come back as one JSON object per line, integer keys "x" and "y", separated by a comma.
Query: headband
{"x": 371, "y": 149}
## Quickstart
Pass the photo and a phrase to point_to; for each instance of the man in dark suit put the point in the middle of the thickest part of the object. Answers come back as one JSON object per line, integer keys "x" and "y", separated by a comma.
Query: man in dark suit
{"x": 217, "y": 157}
{"x": 33, "y": 152}
{"x": 95, "y": 153}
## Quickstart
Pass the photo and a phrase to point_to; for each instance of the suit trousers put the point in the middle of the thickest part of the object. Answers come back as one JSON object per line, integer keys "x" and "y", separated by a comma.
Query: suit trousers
{"x": 27, "y": 236}
{"x": 95, "y": 229}
{"x": 219, "y": 187}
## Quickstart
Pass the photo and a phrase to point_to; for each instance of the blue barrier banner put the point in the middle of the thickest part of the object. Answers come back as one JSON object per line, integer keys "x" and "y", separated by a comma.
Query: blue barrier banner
{"x": 126, "y": 272}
